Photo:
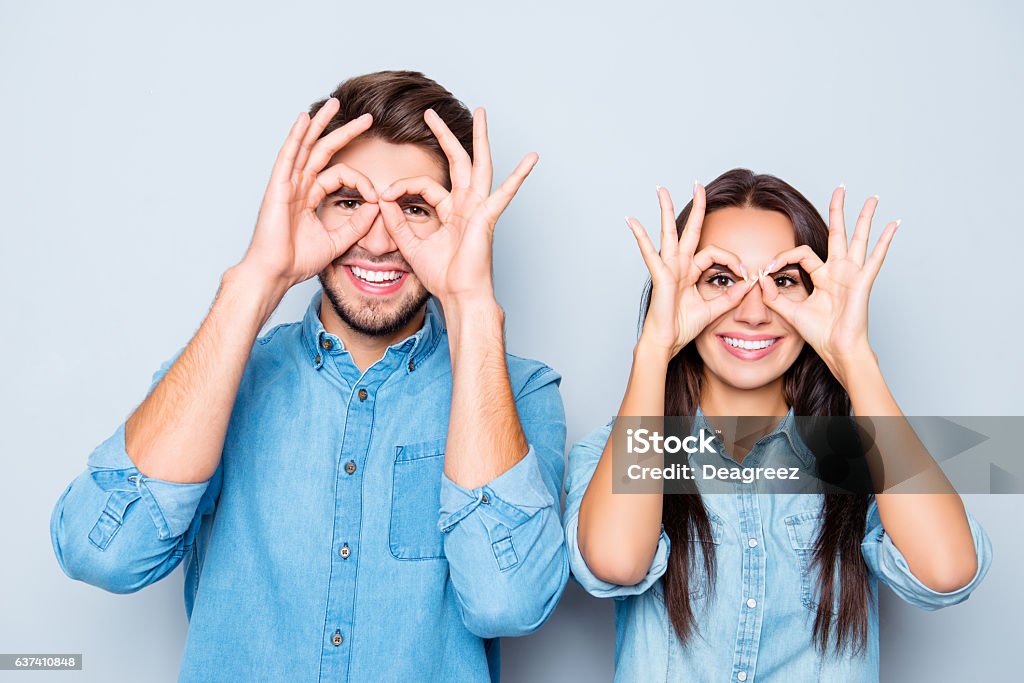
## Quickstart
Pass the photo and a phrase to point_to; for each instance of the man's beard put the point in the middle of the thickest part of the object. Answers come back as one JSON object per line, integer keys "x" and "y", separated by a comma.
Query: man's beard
{"x": 369, "y": 318}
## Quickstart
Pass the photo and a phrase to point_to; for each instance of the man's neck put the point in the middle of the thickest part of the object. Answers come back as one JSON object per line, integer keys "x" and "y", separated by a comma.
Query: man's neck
{"x": 366, "y": 349}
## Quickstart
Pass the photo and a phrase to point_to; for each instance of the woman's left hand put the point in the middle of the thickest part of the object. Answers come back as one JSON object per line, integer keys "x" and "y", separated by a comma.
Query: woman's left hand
{"x": 834, "y": 318}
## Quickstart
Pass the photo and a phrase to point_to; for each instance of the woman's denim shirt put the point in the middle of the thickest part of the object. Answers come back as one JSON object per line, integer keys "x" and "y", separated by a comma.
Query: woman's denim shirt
{"x": 757, "y": 622}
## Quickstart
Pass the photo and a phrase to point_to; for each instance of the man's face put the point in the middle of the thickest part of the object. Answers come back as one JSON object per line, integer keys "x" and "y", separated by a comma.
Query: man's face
{"x": 370, "y": 286}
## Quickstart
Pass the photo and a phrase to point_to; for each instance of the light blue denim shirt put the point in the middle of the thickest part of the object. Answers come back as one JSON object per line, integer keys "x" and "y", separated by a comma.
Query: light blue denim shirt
{"x": 329, "y": 545}
{"x": 757, "y": 622}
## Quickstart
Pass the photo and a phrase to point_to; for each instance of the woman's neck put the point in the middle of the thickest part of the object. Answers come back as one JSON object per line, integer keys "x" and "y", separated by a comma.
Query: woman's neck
{"x": 718, "y": 398}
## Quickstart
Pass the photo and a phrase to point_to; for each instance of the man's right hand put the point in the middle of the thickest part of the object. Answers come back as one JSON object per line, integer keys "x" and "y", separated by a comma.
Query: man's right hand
{"x": 290, "y": 243}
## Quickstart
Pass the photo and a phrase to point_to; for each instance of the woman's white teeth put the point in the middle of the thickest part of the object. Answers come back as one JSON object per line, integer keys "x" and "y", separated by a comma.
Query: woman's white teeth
{"x": 375, "y": 276}
{"x": 749, "y": 345}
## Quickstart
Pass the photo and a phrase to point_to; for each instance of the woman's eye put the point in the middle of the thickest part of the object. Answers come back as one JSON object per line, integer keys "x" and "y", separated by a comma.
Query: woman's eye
{"x": 720, "y": 280}
{"x": 784, "y": 281}
{"x": 348, "y": 204}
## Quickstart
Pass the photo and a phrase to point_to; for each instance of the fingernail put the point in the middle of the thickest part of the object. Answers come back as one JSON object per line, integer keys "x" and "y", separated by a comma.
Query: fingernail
{"x": 657, "y": 188}
{"x": 743, "y": 271}
{"x": 769, "y": 267}
{"x": 876, "y": 197}
{"x": 695, "y": 186}
{"x": 898, "y": 221}
{"x": 627, "y": 224}
{"x": 842, "y": 185}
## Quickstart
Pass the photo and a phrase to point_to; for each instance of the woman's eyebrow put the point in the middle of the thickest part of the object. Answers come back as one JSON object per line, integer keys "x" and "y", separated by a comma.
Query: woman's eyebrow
{"x": 719, "y": 268}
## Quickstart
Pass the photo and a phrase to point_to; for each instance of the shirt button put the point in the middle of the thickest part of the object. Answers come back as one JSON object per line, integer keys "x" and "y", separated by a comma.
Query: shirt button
{"x": 337, "y": 638}
{"x": 327, "y": 344}
{"x": 751, "y": 603}
{"x": 752, "y": 543}
{"x": 484, "y": 499}
{"x": 412, "y": 366}
{"x": 318, "y": 358}
{"x": 362, "y": 394}
{"x": 350, "y": 467}
{"x": 741, "y": 676}
{"x": 345, "y": 552}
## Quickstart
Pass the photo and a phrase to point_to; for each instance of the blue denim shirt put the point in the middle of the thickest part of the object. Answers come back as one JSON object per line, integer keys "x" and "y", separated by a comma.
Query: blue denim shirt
{"x": 329, "y": 545}
{"x": 756, "y": 623}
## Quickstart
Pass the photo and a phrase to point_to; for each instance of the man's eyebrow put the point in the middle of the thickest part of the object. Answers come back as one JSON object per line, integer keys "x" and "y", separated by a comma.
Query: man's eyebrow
{"x": 346, "y": 193}
{"x": 412, "y": 199}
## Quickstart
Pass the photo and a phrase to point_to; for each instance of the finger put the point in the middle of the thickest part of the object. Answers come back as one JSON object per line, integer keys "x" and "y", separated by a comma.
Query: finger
{"x": 353, "y": 230}
{"x": 771, "y": 296}
{"x": 499, "y": 200}
{"x": 874, "y": 262}
{"x": 802, "y": 255}
{"x": 709, "y": 256}
{"x": 669, "y": 239}
{"x": 483, "y": 173}
{"x": 329, "y": 145}
{"x": 334, "y": 178}
{"x": 732, "y": 297}
{"x": 401, "y": 232}
{"x": 837, "y": 224}
{"x": 859, "y": 243}
{"x": 323, "y": 116}
{"x": 691, "y": 230}
{"x": 460, "y": 166}
{"x": 650, "y": 255}
{"x": 285, "y": 161}
{"x": 424, "y": 186}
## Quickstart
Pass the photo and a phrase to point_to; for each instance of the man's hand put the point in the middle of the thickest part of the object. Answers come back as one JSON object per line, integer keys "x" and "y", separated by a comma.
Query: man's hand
{"x": 454, "y": 262}
{"x": 290, "y": 243}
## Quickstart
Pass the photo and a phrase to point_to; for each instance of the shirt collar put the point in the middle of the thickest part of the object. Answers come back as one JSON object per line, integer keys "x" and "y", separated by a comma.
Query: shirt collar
{"x": 787, "y": 427}
{"x": 319, "y": 342}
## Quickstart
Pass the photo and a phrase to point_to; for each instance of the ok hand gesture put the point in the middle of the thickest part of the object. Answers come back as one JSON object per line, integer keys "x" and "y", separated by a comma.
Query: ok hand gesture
{"x": 454, "y": 262}
{"x": 678, "y": 312}
{"x": 834, "y": 318}
{"x": 290, "y": 244}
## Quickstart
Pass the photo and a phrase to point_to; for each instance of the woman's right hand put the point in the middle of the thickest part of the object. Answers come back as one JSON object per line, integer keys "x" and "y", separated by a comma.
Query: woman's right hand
{"x": 290, "y": 243}
{"x": 678, "y": 312}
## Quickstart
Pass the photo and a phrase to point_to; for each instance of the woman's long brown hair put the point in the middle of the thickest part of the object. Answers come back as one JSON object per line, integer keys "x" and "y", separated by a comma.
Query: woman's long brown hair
{"x": 811, "y": 389}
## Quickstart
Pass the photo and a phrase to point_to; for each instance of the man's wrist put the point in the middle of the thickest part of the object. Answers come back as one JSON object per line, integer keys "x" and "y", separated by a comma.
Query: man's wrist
{"x": 479, "y": 317}
{"x": 246, "y": 284}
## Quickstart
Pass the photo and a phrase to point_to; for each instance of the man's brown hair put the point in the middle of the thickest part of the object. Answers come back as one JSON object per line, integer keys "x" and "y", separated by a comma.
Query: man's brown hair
{"x": 397, "y": 100}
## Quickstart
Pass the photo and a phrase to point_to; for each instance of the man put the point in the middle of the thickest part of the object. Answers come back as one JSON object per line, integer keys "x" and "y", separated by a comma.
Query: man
{"x": 370, "y": 494}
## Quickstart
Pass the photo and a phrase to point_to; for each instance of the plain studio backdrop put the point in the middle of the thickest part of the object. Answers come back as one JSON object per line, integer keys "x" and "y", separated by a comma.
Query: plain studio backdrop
{"x": 138, "y": 141}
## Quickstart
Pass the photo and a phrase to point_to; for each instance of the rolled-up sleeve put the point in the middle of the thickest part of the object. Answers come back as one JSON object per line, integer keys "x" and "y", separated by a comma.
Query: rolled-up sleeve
{"x": 583, "y": 459}
{"x": 116, "y": 528}
{"x": 887, "y": 563}
{"x": 503, "y": 540}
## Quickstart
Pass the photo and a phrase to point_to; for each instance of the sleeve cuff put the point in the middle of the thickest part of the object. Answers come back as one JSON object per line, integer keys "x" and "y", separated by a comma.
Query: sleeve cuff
{"x": 512, "y": 497}
{"x": 602, "y": 589}
{"x": 171, "y": 505}
{"x": 893, "y": 569}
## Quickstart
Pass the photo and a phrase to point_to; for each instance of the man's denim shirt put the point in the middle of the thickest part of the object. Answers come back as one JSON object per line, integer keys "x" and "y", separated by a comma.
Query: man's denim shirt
{"x": 755, "y": 623}
{"x": 329, "y": 545}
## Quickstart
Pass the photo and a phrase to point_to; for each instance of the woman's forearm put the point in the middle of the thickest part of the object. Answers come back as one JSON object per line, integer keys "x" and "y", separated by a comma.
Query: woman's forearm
{"x": 618, "y": 534}
{"x": 930, "y": 529}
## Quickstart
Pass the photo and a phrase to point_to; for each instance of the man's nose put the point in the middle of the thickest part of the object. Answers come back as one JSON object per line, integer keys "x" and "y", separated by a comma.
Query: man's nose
{"x": 377, "y": 239}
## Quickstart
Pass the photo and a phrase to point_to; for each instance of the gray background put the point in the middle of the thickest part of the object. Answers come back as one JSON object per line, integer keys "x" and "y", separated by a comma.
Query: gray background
{"x": 138, "y": 140}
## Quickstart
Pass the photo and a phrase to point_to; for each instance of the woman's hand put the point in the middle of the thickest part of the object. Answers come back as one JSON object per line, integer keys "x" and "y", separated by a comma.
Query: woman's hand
{"x": 454, "y": 262}
{"x": 290, "y": 244}
{"x": 678, "y": 312}
{"x": 834, "y": 318}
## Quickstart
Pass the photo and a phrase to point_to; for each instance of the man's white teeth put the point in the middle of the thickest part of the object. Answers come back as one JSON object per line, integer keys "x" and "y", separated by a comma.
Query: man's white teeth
{"x": 750, "y": 345}
{"x": 375, "y": 276}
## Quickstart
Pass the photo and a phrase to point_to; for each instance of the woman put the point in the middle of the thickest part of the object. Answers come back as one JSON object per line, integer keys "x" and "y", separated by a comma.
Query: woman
{"x": 757, "y": 308}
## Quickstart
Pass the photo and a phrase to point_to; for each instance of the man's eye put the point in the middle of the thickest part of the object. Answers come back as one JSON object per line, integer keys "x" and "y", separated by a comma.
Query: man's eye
{"x": 418, "y": 211}
{"x": 348, "y": 204}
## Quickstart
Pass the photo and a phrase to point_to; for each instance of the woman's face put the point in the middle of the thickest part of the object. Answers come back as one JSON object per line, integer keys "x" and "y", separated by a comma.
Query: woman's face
{"x": 750, "y": 345}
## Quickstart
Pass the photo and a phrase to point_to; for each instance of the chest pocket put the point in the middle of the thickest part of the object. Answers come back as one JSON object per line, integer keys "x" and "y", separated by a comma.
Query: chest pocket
{"x": 699, "y": 582}
{"x": 416, "y": 501}
{"x": 803, "y": 532}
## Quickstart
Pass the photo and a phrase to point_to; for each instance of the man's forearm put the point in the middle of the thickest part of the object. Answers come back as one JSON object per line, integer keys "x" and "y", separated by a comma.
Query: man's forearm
{"x": 485, "y": 437}
{"x": 177, "y": 434}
